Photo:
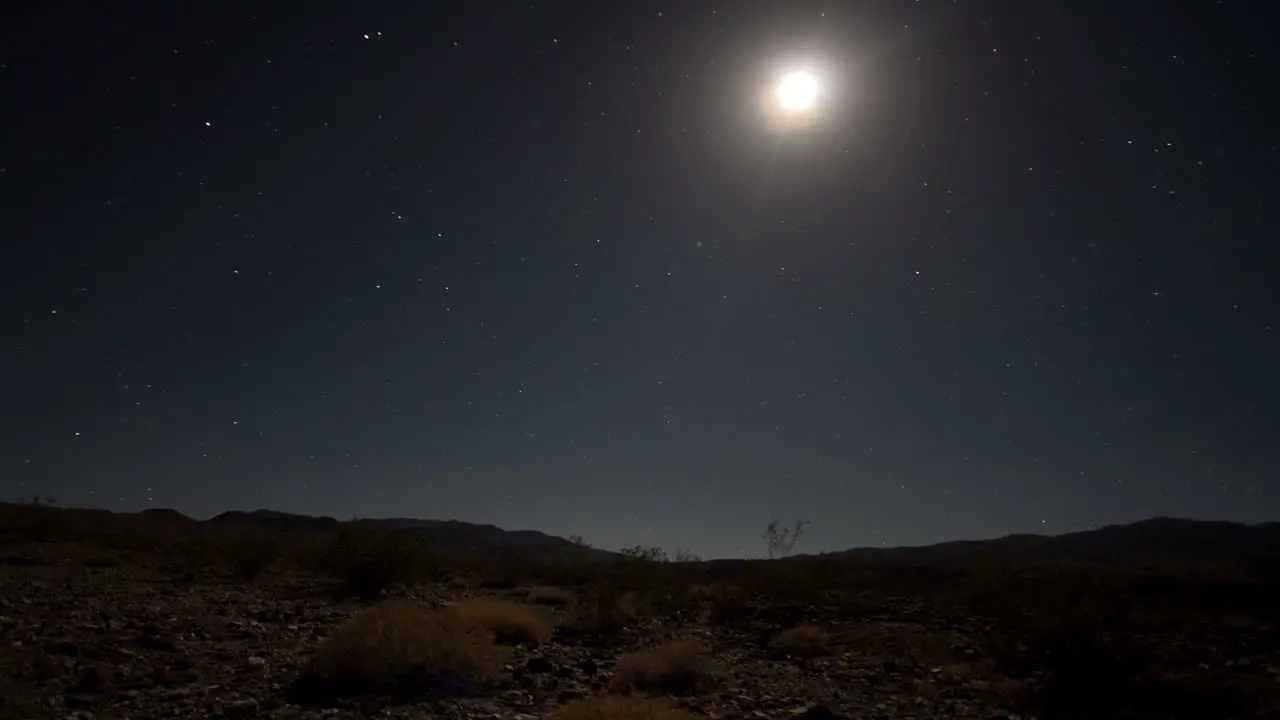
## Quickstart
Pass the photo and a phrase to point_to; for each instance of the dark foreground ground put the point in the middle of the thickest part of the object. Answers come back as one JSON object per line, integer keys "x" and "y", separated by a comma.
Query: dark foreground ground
{"x": 257, "y": 626}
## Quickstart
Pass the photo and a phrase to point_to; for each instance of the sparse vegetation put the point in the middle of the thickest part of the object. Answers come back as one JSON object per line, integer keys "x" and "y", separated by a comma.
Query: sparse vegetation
{"x": 728, "y": 607}
{"x": 396, "y": 647}
{"x": 781, "y": 542}
{"x": 645, "y": 554}
{"x": 804, "y": 641}
{"x": 1036, "y": 640}
{"x": 250, "y": 553}
{"x": 507, "y": 621}
{"x": 678, "y": 667}
{"x": 602, "y": 611}
{"x": 548, "y": 595}
{"x": 685, "y": 555}
{"x": 367, "y": 562}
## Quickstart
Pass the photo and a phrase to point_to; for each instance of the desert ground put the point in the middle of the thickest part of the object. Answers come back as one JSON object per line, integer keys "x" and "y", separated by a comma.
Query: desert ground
{"x": 164, "y": 620}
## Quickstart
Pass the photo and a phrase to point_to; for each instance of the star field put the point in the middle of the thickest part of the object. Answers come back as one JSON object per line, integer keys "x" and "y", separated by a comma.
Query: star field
{"x": 547, "y": 265}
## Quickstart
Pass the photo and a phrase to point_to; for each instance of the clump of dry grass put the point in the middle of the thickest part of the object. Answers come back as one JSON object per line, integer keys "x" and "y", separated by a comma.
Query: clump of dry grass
{"x": 548, "y": 595}
{"x": 249, "y": 553}
{"x": 398, "y": 643}
{"x": 619, "y": 707}
{"x": 702, "y": 592}
{"x": 508, "y": 621}
{"x": 603, "y": 611}
{"x": 678, "y": 667}
{"x": 366, "y": 560}
{"x": 103, "y": 559}
{"x": 804, "y": 641}
{"x": 728, "y": 610}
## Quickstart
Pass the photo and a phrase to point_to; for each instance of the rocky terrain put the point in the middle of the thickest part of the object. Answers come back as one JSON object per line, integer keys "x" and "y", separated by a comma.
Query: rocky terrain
{"x": 90, "y": 630}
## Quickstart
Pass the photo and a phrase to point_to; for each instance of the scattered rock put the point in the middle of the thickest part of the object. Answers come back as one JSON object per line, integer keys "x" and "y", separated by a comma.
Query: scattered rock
{"x": 139, "y": 646}
{"x": 76, "y": 700}
{"x": 246, "y": 707}
{"x": 539, "y": 664}
{"x": 63, "y": 647}
{"x": 91, "y": 680}
{"x": 818, "y": 712}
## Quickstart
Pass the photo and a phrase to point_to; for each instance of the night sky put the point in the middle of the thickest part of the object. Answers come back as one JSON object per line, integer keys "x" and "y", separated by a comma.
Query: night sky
{"x": 572, "y": 267}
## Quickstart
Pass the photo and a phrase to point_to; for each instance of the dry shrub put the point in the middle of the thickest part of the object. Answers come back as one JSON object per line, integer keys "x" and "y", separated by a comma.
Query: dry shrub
{"x": 619, "y": 707}
{"x": 631, "y": 606}
{"x": 548, "y": 595}
{"x": 196, "y": 553}
{"x": 399, "y": 646}
{"x": 805, "y": 641}
{"x": 603, "y": 611}
{"x": 103, "y": 559}
{"x": 367, "y": 561}
{"x": 704, "y": 592}
{"x": 508, "y": 621}
{"x": 669, "y": 601}
{"x": 729, "y": 610}
{"x": 38, "y": 522}
{"x": 503, "y": 575}
{"x": 249, "y": 553}
{"x": 856, "y": 605}
{"x": 678, "y": 667}
{"x": 459, "y": 578}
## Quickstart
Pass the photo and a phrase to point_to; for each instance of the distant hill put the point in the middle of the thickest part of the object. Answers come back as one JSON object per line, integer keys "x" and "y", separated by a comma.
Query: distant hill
{"x": 1158, "y": 544}
{"x": 453, "y": 537}
{"x": 273, "y": 520}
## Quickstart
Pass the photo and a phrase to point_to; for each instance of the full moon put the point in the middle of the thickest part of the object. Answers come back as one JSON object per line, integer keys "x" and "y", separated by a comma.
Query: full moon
{"x": 797, "y": 91}
{"x": 797, "y": 94}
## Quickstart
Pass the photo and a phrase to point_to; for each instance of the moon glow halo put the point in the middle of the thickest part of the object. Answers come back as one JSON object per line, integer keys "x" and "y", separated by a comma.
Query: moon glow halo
{"x": 797, "y": 91}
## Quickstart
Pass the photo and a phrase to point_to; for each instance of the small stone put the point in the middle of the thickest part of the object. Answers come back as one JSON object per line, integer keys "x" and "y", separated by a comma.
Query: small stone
{"x": 240, "y": 708}
{"x": 570, "y": 694}
{"x": 152, "y": 641}
{"x": 256, "y": 662}
{"x": 63, "y": 647}
{"x": 90, "y": 681}
{"x": 80, "y": 700}
{"x": 818, "y": 712}
{"x": 539, "y": 664}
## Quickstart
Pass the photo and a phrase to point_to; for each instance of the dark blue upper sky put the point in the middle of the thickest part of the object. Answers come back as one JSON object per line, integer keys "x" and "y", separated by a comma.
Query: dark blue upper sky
{"x": 550, "y": 265}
